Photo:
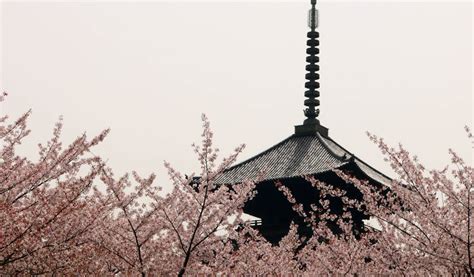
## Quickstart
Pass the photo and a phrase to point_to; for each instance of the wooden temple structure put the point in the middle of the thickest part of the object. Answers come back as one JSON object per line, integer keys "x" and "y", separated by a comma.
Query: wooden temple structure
{"x": 308, "y": 151}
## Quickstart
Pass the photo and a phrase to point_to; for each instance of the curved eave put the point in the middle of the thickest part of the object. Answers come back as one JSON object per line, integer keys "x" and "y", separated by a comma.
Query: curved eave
{"x": 370, "y": 171}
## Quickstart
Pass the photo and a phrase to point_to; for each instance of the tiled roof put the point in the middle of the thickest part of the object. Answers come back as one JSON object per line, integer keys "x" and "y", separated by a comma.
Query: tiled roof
{"x": 297, "y": 156}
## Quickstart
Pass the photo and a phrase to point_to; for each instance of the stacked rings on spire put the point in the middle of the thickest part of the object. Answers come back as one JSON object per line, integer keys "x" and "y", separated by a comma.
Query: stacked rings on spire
{"x": 312, "y": 78}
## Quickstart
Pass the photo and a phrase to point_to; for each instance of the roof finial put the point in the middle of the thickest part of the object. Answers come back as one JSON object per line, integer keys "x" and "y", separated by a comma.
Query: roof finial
{"x": 312, "y": 67}
{"x": 311, "y": 124}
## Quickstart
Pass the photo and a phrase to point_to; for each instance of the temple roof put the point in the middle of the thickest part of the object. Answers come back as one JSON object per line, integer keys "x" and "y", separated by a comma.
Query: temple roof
{"x": 298, "y": 156}
{"x": 309, "y": 150}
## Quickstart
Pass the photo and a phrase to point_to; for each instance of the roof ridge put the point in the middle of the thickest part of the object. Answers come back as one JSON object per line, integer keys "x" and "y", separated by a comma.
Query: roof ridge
{"x": 327, "y": 147}
{"x": 360, "y": 160}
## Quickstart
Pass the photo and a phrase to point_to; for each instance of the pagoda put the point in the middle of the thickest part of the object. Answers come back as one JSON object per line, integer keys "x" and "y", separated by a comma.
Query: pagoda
{"x": 309, "y": 151}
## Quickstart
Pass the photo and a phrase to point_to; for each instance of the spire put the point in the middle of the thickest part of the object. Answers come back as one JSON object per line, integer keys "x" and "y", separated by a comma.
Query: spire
{"x": 312, "y": 68}
{"x": 311, "y": 124}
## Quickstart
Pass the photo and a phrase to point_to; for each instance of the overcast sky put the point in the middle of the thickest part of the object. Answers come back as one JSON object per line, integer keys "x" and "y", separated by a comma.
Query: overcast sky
{"x": 401, "y": 70}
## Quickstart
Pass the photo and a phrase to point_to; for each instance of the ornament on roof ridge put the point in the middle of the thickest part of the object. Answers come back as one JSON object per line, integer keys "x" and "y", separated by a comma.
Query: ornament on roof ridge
{"x": 311, "y": 124}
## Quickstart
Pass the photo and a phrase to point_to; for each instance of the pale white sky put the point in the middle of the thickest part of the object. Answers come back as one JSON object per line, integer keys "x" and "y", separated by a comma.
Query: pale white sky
{"x": 402, "y": 70}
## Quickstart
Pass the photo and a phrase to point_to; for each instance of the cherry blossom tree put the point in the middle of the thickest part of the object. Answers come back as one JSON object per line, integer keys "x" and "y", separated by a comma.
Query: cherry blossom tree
{"x": 48, "y": 207}
{"x": 127, "y": 237}
{"x": 56, "y": 220}
{"x": 150, "y": 233}
{"x": 426, "y": 218}
{"x": 248, "y": 253}
{"x": 199, "y": 212}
